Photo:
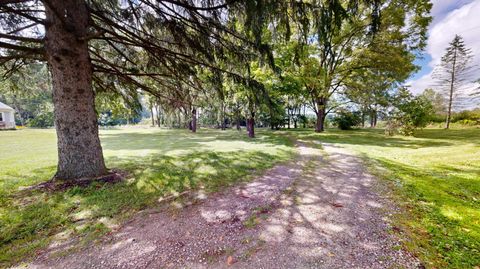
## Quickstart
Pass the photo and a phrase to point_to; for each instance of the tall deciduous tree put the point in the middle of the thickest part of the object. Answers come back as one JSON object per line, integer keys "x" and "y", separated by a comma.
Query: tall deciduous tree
{"x": 453, "y": 73}
{"x": 326, "y": 41}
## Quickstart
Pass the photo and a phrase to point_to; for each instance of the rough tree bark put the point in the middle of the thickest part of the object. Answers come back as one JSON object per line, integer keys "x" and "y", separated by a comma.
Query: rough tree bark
{"x": 79, "y": 150}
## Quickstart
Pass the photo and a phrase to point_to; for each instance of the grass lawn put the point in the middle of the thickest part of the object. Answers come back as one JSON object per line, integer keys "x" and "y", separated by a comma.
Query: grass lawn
{"x": 437, "y": 179}
{"x": 160, "y": 163}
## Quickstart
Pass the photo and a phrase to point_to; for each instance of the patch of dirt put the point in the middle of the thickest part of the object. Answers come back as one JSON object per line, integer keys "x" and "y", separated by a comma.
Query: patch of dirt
{"x": 53, "y": 185}
{"x": 314, "y": 212}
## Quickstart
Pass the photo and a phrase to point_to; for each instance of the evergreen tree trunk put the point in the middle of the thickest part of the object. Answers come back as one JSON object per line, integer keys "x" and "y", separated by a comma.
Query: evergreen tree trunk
{"x": 194, "y": 120}
{"x": 450, "y": 99}
{"x": 79, "y": 150}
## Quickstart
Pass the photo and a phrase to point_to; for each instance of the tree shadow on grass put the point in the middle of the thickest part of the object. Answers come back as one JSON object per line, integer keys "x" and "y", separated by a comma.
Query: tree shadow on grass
{"x": 174, "y": 140}
{"x": 37, "y": 218}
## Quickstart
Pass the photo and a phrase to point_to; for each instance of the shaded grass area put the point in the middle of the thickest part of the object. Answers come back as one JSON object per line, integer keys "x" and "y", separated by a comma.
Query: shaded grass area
{"x": 436, "y": 178}
{"x": 159, "y": 162}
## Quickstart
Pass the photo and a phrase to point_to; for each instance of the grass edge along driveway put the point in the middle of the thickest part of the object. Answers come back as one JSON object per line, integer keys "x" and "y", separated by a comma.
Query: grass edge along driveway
{"x": 435, "y": 178}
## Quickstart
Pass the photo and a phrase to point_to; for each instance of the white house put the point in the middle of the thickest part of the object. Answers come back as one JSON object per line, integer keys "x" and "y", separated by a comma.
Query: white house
{"x": 7, "y": 117}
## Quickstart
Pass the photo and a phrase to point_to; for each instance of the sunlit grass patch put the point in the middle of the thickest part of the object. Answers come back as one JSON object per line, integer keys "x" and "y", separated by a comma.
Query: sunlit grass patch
{"x": 160, "y": 163}
{"x": 436, "y": 175}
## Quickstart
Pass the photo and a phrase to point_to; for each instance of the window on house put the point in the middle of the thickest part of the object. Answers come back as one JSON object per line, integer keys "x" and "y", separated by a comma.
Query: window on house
{"x": 1, "y": 116}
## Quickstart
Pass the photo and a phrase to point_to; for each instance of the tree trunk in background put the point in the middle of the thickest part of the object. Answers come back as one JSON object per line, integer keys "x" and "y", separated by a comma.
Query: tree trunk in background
{"x": 159, "y": 117}
{"x": 194, "y": 120}
{"x": 19, "y": 111}
{"x": 321, "y": 107}
{"x": 373, "y": 119}
{"x": 238, "y": 117}
{"x": 153, "y": 116}
{"x": 251, "y": 125}
{"x": 363, "y": 119}
{"x": 304, "y": 117}
{"x": 288, "y": 119}
{"x": 223, "y": 116}
{"x": 450, "y": 99}
{"x": 238, "y": 123}
{"x": 319, "y": 125}
{"x": 79, "y": 150}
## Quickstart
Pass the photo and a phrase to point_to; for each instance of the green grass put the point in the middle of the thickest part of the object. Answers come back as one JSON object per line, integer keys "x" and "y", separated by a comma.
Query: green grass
{"x": 436, "y": 178}
{"x": 159, "y": 162}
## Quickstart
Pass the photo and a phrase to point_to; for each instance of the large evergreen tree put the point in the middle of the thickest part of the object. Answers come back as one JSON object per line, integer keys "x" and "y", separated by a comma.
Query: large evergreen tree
{"x": 453, "y": 73}
{"x": 98, "y": 45}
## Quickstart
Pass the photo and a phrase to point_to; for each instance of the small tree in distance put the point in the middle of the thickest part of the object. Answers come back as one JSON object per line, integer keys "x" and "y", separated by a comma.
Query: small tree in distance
{"x": 409, "y": 113}
{"x": 453, "y": 73}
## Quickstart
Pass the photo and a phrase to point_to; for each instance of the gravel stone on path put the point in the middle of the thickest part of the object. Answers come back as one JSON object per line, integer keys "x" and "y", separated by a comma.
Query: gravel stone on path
{"x": 319, "y": 211}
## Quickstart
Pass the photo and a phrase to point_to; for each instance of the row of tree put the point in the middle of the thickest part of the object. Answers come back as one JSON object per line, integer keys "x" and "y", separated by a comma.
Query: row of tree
{"x": 252, "y": 60}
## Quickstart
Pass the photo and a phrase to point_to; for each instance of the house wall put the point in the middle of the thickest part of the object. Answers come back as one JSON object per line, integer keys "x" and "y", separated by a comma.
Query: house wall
{"x": 8, "y": 119}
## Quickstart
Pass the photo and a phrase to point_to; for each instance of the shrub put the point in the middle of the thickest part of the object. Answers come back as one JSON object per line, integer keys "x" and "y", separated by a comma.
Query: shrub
{"x": 345, "y": 120}
{"x": 467, "y": 117}
{"x": 409, "y": 113}
{"x": 42, "y": 120}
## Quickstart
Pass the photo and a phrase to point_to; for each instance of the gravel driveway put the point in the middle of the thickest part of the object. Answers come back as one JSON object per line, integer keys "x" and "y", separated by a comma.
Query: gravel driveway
{"x": 319, "y": 211}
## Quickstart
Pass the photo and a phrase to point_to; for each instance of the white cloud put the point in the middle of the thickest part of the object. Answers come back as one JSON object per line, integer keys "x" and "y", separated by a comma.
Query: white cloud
{"x": 464, "y": 21}
{"x": 441, "y": 8}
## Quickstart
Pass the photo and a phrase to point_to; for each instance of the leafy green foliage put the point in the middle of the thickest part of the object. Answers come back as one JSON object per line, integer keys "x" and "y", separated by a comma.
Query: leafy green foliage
{"x": 42, "y": 120}
{"x": 346, "y": 120}
{"x": 29, "y": 93}
{"x": 411, "y": 112}
{"x": 469, "y": 117}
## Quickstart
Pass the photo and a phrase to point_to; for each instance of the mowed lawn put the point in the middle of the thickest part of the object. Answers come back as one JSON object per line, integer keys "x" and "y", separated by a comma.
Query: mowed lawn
{"x": 436, "y": 178}
{"x": 160, "y": 163}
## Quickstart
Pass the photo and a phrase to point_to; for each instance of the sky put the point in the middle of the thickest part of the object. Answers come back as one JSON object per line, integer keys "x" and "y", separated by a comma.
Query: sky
{"x": 450, "y": 17}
